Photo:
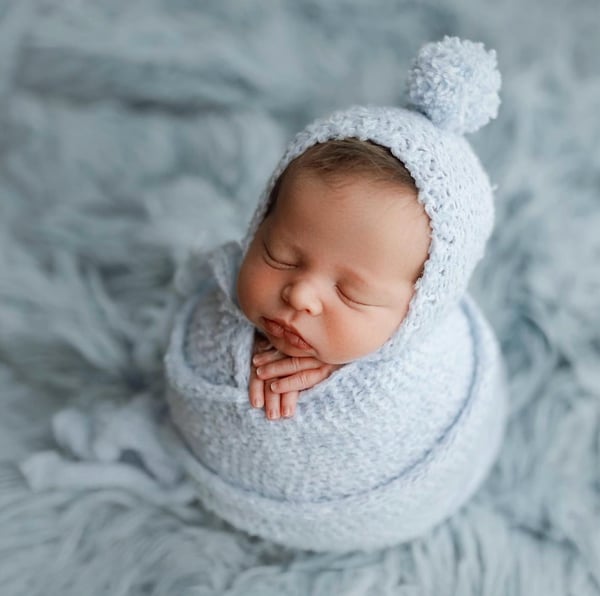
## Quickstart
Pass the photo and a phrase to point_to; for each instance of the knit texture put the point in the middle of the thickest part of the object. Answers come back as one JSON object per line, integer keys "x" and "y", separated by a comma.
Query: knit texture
{"x": 394, "y": 442}
{"x": 379, "y": 452}
{"x": 453, "y": 189}
{"x": 455, "y": 83}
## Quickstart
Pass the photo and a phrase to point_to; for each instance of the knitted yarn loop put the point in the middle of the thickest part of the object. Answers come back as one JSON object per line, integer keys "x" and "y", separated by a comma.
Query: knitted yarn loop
{"x": 455, "y": 83}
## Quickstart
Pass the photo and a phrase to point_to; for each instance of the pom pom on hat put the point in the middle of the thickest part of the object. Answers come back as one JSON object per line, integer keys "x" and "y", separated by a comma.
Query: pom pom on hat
{"x": 455, "y": 83}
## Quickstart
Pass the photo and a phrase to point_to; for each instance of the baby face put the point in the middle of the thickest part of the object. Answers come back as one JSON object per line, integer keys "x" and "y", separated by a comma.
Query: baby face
{"x": 331, "y": 270}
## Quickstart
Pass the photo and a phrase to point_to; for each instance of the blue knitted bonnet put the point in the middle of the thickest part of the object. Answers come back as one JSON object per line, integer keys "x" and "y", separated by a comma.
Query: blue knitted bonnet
{"x": 453, "y": 89}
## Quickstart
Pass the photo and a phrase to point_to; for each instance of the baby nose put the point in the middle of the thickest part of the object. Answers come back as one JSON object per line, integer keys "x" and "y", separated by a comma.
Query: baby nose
{"x": 302, "y": 296}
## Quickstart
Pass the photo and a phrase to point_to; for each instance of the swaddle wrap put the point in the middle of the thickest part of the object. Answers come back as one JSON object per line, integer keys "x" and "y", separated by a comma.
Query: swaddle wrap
{"x": 394, "y": 442}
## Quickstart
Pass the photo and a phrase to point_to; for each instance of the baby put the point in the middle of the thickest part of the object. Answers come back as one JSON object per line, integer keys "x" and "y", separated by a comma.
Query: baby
{"x": 331, "y": 270}
{"x": 351, "y": 286}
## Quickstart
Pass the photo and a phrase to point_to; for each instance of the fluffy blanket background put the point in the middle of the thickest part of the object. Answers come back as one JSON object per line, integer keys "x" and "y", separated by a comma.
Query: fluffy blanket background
{"x": 133, "y": 131}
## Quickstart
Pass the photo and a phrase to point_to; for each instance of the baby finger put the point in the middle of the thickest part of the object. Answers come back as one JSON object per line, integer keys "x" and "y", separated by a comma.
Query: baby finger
{"x": 288, "y": 403}
{"x": 272, "y": 403}
{"x": 298, "y": 382}
{"x": 286, "y": 366}
{"x": 256, "y": 390}
{"x": 271, "y": 355}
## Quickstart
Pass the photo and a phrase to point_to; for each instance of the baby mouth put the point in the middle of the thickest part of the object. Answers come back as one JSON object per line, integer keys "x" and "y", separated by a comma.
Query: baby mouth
{"x": 278, "y": 330}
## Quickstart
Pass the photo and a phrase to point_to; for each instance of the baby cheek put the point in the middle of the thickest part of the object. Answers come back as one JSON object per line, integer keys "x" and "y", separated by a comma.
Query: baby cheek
{"x": 256, "y": 286}
{"x": 247, "y": 287}
{"x": 365, "y": 335}
{"x": 348, "y": 337}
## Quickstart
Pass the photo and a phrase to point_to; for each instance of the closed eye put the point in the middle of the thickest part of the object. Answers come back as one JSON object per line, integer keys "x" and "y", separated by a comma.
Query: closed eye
{"x": 273, "y": 262}
{"x": 347, "y": 298}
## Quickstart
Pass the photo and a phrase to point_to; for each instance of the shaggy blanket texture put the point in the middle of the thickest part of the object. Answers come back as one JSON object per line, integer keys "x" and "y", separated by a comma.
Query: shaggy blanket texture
{"x": 133, "y": 132}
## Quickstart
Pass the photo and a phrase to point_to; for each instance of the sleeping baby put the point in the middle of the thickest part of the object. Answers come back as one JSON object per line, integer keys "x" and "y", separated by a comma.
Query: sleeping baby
{"x": 344, "y": 313}
{"x": 332, "y": 267}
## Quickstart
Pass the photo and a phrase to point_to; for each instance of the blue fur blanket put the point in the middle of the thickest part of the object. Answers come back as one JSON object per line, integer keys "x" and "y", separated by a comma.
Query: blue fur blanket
{"x": 134, "y": 133}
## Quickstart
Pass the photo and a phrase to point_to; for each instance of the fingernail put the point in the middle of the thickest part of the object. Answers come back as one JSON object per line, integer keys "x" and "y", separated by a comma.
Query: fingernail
{"x": 273, "y": 414}
{"x": 258, "y": 372}
{"x": 287, "y": 412}
{"x": 258, "y": 359}
{"x": 274, "y": 386}
{"x": 258, "y": 403}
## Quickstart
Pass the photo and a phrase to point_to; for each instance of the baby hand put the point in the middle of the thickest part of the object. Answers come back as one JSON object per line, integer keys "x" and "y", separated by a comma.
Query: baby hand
{"x": 277, "y": 379}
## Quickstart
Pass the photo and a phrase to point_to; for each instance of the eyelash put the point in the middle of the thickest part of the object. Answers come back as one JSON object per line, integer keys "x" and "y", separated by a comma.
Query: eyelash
{"x": 348, "y": 299}
{"x": 273, "y": 262}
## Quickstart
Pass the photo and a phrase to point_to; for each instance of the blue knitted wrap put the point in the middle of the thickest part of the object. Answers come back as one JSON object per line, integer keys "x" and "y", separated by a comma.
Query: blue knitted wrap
{"x": 378, "y": 453}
